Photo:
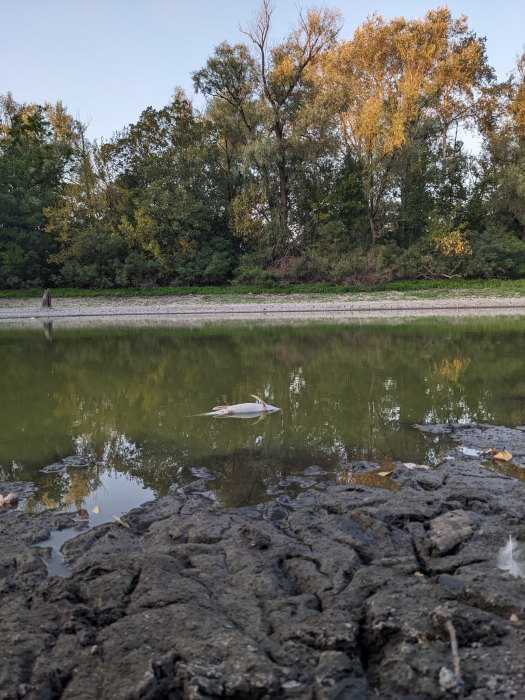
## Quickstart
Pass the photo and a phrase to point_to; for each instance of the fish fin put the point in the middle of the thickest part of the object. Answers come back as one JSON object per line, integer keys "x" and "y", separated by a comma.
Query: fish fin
{"x": 197, "y": 415}
{"x": 258, "y": 399}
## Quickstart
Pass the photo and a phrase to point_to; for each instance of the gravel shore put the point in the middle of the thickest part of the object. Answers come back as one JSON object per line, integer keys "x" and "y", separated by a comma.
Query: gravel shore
{"x": 276, "y": 306}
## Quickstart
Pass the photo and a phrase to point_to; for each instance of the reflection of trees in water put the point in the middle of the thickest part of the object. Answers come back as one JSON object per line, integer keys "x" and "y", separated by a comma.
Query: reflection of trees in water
{"x": 67, "y": 491}
{"x": 346, "y": 392}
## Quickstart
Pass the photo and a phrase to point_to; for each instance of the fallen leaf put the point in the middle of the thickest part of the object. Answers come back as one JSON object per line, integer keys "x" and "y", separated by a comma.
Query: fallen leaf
{"x": 384, "y": 473}
{"x": 422, "y": 639}
{"x": 502, "y": 456}
{"x": 418, "y": 573}
{"x": 96, "y": 509}
{"x": 490, "y": 451}
{"x": 120, "y": 521}
{"x": 513, "y": 618}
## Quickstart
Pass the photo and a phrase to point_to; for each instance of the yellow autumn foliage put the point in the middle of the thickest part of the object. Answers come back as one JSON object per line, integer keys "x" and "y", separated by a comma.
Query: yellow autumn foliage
{"x": 453, "y": 243}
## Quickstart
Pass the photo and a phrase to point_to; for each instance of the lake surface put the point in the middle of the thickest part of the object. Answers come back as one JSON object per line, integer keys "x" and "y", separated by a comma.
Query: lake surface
{"x": 126, "y": 399}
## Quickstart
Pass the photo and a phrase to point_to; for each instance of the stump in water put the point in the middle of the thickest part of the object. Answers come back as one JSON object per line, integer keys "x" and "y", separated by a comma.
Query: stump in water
{"x": 46, "y": 300}
{"x": 48, "y": 330}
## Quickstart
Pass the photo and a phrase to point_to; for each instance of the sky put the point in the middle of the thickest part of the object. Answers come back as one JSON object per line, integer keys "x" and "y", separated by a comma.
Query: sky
{"x": 108, "y": 60}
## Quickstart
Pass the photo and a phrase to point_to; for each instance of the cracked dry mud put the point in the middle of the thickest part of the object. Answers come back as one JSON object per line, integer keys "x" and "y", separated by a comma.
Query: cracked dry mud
{"x": 346, "y": 597}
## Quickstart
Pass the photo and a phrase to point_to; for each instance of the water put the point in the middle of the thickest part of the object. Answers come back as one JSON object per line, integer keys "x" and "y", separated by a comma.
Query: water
{"x": 126, "y": 398}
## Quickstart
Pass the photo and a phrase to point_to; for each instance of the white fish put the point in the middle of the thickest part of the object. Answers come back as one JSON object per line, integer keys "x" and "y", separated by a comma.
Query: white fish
{"x": 243, "y": 410}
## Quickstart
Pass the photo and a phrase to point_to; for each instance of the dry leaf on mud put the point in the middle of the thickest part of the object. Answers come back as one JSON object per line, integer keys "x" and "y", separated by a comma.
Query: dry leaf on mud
{"x": 120, "y": 521}
{"x": 490, "y": 451}
{"x": 513, "y": 617}
{"x": 411, "y": 465}
{"x": 96, "y": 509}
{"x": 418, "y": 573}
{"x": 384, "y": 473}
{"x": 422, "y": 639}
{"x": 502, "y": 456}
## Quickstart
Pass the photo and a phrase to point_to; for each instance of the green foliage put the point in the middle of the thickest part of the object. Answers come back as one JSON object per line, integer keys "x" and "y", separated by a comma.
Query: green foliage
{"x": 32, "y": 168}
{"x": 314, "y": 161}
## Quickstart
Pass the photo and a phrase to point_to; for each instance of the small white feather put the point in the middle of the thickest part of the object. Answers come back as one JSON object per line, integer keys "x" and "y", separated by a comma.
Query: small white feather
{"x": 507, "y": 559}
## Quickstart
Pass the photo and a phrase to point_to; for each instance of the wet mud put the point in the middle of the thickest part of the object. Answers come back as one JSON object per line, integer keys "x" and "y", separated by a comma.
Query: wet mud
{"x": 344, "y": 592}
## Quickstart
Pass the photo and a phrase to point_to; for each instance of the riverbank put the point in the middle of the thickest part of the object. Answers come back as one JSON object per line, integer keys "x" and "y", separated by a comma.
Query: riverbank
{"x": 412, "y": 304}
{"x": 346, "y": 592}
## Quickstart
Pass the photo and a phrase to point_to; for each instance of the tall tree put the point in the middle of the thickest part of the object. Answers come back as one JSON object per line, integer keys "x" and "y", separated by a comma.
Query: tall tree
{"x": 394, "y": 74}
{"x": 33, "y": 160}
{"x": 504, "y": 158}
{"x": 272, "y": 90}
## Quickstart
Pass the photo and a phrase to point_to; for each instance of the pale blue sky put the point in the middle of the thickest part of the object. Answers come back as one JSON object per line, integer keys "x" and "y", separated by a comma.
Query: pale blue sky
{"x": 110, "y": 59}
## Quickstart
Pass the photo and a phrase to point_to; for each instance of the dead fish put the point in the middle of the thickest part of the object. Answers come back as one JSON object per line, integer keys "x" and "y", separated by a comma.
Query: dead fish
{"x": 243, "y": 410}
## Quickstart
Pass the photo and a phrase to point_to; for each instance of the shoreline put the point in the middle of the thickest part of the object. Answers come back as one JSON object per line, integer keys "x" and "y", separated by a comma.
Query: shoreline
{"x": 301, "y": 306}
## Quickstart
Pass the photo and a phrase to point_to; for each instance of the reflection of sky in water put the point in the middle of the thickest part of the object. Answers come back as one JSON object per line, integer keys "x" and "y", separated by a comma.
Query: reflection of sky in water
{"x": 115, "y": 495}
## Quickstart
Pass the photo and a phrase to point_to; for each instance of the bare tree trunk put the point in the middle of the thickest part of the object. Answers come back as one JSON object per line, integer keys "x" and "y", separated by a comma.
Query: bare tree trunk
{"x": 373, "y": 228}
{"x": 283, "y": 188}
{"x": 46, "y": 300}
{"x": 283, "y": 176}
{"x": 371, "y": 213}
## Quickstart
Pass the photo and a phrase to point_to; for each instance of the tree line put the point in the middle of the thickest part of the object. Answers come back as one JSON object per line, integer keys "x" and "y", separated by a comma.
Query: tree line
{"x": 314, "y": 159}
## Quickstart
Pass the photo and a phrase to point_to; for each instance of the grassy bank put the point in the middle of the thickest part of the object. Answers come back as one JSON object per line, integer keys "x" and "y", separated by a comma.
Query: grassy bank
{"x": 403, "y": 286}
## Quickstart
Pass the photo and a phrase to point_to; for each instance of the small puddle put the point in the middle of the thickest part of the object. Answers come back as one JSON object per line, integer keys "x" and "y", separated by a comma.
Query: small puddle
{"x": 115, "y": 495}
{"x": 512, "y": 469}
{"x": 52, "y": 558}
{"x": 516, "y": 471}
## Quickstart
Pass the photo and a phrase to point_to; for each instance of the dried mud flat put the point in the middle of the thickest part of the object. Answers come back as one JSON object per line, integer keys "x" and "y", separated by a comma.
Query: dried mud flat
{"x": 349, "y": 593}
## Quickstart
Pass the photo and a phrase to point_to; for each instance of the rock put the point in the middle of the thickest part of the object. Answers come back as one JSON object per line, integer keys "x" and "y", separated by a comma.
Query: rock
{"x": 360, "y": 467}
{"x": 54, "y": 468}
{"x": 451, "y": 582}
{"x": 198, "y": 486}
{"x": 75, "y": 461}
{"x": 336, "y": 676}
{"x": 314, "y": 471}
{"x": 275, "y": 512}
{"x": 450, "y": 529}
{"x": 449, "y": 681}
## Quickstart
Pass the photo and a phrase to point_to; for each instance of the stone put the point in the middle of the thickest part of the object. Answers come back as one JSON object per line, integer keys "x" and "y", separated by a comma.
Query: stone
{"x": 54, "y": 468}
{"x": 450, "y": 529}
{"x": 360, "y": 467}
